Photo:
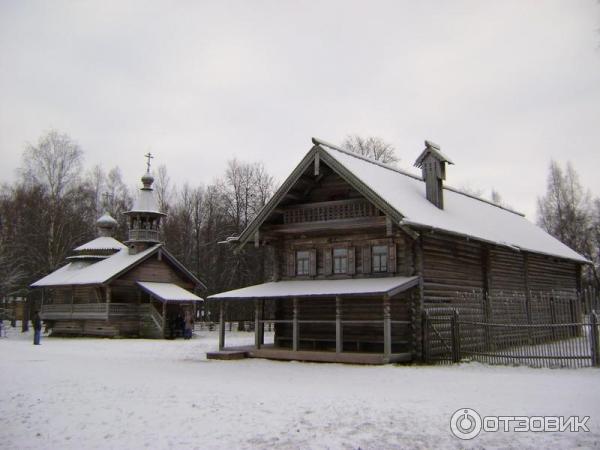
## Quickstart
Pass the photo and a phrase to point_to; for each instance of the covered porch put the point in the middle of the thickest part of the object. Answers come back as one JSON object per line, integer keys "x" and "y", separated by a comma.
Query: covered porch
{"x": 364, "y": 321}
{"x": 93, "y": 311}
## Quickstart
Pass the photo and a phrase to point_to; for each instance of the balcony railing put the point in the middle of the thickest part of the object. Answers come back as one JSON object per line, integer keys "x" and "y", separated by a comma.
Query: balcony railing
{"x": 88, "y": 311}
{"x": 335, "y": 210}
{"x": 144, "y": 235}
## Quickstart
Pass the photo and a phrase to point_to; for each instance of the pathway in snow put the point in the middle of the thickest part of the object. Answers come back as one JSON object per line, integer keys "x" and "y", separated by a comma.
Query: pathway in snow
{"x": 102, "y": 393}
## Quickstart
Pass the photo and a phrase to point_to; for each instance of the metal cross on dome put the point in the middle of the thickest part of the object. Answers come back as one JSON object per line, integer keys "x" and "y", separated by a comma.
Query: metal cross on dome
{"x": 149, "y": 156}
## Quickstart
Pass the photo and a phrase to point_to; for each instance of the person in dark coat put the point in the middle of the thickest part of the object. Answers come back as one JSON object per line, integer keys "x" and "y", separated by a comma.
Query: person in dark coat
{"x": 37, "y": 328}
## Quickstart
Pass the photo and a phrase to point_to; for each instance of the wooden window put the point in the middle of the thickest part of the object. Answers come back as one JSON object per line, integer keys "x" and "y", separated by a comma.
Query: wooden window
{"x": 303, "y": 262}
{"x": 380, "y": 258}
{"x": 340, "y": 260}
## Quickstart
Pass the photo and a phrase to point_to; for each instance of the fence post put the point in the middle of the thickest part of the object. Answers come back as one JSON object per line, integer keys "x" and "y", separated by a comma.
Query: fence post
{"x": 594, "y": 344}
{"x": 455, "y": 333}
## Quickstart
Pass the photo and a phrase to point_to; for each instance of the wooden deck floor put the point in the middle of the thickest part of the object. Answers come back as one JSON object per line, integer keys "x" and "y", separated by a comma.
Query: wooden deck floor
{"x": 284, "y": 354}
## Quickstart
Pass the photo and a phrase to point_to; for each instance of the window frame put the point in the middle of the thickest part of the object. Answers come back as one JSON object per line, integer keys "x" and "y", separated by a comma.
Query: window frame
{"x": 302, "y": 263}
{"x": 343, "y": 259}
{"x": 379, "y": 259}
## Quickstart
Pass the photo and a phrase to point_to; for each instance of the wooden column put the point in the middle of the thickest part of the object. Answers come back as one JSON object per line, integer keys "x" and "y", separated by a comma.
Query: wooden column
{"x": 164, "y": 317}
{"x": 387, "y": 328}
{"x": 257, "y": 324}
{"x": 295, "y": 333}
{"x": 339, "y": 342}
{"x": 262, "y": 325}
{"x": 108, "y": 300}
{"x": 221, "y": 325}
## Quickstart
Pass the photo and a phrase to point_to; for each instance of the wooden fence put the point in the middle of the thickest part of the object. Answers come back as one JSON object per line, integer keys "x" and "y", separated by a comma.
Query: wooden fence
{"x": 546, "y": 329}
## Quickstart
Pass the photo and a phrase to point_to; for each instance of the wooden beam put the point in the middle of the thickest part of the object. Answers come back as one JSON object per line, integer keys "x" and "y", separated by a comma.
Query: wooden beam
{"x": 257, "y": 239}
{"x": 295, "y": 331}
{"x": 108, "y": 300}
{"x": 257, "y": 324}
{"x": 221, "y": 325}
{"x": 387, "y": 328}
{"x": 339, "y": 343}
{"x": 324, "y": 225}
{"x": 389, "y": 226}
{"x": 317, "y": 164}
{"x": 164, "y": 316}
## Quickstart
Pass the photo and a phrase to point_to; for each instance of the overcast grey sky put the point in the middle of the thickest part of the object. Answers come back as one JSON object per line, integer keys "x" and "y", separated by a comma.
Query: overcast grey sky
{"x": 503, "y": 87}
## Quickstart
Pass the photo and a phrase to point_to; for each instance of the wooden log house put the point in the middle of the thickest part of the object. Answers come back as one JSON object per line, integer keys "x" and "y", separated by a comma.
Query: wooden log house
{"x": 109, "y": 288}
{"x": 359, "y": 249}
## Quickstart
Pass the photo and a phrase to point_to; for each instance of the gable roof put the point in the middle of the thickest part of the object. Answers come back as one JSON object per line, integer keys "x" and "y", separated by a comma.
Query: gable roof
{"x": 102, "y": 272}
{"x": 402, "y": 196}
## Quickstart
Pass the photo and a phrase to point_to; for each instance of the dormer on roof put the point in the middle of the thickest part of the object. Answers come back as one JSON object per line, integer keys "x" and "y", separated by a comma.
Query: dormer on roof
{"x": 145, "y": 216}
{"x": 432, "y": 163}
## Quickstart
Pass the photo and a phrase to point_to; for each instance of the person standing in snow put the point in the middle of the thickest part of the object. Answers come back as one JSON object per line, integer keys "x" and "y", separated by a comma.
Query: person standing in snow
{"x": 37, "y": 328}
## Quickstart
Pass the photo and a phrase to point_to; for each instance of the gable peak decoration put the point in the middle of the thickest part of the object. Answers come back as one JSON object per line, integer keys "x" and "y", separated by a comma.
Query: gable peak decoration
{"x": 432, "y": 163}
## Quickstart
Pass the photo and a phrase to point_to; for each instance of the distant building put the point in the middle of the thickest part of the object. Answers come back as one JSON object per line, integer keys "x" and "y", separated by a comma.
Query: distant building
{"x": 109, "y": 288}
{"x": 358, "y": 250}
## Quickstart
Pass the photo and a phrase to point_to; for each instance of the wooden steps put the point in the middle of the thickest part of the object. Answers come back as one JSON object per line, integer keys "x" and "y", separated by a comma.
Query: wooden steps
{"x": 227, "y": 354}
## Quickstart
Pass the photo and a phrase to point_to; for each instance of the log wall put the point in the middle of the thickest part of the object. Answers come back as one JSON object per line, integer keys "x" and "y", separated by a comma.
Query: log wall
{"x": 357, "y": 337}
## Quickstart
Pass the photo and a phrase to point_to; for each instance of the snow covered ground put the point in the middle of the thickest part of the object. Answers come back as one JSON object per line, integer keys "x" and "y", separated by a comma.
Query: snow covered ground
{"x": 120, "y": 394}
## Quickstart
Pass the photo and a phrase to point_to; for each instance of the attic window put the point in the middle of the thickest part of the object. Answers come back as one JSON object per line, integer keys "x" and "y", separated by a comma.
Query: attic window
{"x": 303, "y": 262}
{"x": 380, "y": 258}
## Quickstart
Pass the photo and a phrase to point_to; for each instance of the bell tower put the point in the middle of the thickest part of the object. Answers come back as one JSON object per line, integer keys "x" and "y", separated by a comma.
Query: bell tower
{"x": 144, "y": 218}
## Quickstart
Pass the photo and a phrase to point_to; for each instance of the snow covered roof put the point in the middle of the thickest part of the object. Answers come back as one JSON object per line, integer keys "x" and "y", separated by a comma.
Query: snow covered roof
{"x": 462, "y": 214}
{"x": 320, "y": 288}
{"x": 79, "y": 273}
{"x": 101, "y": 243}
{"x": 402, "y": 196}
{"x": 168, "y": 292}
{"x": 146, "y": 202}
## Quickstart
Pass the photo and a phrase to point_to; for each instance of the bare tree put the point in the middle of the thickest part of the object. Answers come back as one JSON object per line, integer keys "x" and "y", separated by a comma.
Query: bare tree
{"x": 565, "y": 209}
{"x": 55, "y": 162}
{"x": 164, "y": 190}
{"x": 372, "y": 147}
{"x": 566, "y": 212}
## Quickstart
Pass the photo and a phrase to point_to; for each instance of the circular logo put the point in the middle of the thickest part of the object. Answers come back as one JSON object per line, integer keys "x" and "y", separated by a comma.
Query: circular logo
{"x": 465, "y": 424}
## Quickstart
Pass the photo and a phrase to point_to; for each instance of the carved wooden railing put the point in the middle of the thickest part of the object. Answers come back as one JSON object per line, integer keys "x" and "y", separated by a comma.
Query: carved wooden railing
{"x": 88, "y": 311}
{"x": 144, "y": 235}
{"x": 123, "y": 309}
{"x": 335, "y": 210}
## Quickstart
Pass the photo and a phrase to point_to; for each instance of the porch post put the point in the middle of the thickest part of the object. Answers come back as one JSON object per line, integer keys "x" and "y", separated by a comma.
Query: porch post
{"x": 221, "y": 325}
{"x": 257, "y": 324}
{"x": 108, "y": 299}
{"x": 339, "y": 347}
{"x": 262, "y": 325}
{"x": 164, "y": 316}
{"x": 387, "y": 328}
{"x": 295, "y": 326}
